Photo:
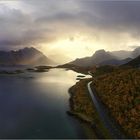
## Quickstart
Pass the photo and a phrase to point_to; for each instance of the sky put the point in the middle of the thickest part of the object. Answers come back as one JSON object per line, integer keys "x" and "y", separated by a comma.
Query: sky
{"x": 67, "y": 29}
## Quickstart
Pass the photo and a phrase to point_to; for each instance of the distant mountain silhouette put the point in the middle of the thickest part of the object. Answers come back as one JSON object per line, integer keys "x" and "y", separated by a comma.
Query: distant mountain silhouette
{"x": 122, "y": 54}
{"x": 26, "y": 56}
{"x": 100, "y": 57}
{"x": 116, "y": 61}
{"x": 134, "y": 63}
{"x": 135, "y": 53}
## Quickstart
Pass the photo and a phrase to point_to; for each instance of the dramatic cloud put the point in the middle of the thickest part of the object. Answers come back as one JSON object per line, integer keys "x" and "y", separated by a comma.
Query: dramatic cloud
{"x": 114, "y": 15}
{"x": 69, "y": 26}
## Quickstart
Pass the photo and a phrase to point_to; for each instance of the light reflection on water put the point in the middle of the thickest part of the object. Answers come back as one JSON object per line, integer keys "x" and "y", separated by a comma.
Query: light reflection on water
{"x": 61, "y": 77}
{"x": 36, "y": 107}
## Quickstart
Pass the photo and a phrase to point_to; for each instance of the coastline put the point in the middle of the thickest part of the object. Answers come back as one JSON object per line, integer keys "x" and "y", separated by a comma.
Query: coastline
{"x": 79, "y": 91}
{"x": 79, "y": 102}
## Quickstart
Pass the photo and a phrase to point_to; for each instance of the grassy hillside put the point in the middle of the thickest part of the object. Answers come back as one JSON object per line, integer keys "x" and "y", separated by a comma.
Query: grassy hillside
{"x": 120, "y": 92}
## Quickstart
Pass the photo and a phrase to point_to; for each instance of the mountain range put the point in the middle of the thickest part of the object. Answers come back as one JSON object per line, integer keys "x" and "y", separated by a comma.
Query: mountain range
{"x": 122, "y": 54}
{"x": 32, "y": 56}
{"x": 134, "y": 63}
{"x": 102, "y": 57}
{"x": 26, "y": 56}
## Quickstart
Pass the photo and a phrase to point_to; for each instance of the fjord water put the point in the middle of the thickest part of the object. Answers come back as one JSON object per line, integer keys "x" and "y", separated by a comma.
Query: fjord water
{"x": 34, "y": 105}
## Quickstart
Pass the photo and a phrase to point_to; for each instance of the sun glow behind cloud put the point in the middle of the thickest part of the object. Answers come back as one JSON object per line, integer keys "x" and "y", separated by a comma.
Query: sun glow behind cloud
{"x": 81, "y": 45}
{"x": 70, "y": 48}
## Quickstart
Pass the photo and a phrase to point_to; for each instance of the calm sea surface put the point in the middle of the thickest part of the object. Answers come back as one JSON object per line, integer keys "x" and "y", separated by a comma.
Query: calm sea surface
{"x": 34, "y": 105}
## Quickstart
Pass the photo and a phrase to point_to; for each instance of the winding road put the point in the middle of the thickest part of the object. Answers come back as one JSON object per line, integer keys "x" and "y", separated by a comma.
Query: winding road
{"x": 107, "y": 120}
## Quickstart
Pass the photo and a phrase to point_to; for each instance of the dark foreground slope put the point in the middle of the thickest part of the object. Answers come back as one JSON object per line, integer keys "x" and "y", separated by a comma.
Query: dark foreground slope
{"x": 134, "y": 63}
